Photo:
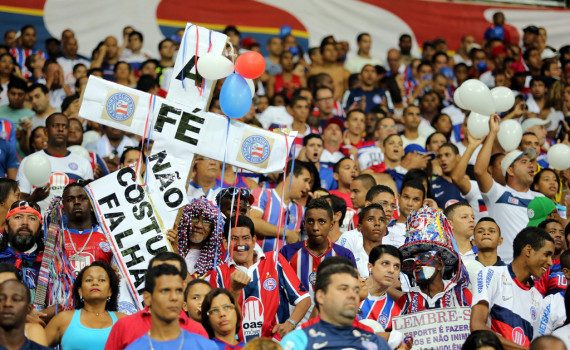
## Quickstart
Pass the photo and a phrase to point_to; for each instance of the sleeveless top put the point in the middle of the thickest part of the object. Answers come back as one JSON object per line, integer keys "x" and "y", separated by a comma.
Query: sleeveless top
{"x": 79, "y": 337}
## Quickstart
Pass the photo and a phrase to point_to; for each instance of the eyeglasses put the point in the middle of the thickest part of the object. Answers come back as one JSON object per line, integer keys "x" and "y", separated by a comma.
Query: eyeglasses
{"x": 218, "y": 310}
{"x": 423, "y": 259}
{"x": 205, "y": 222}
{"x": 235, "y": 191}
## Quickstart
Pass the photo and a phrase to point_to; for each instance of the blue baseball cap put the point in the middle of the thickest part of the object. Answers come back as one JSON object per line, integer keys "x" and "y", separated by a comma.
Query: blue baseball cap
{"x": 415, "y": 148}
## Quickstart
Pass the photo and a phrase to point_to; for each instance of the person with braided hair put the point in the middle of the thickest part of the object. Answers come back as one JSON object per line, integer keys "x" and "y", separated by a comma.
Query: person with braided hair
{"x": 200, "y": 236}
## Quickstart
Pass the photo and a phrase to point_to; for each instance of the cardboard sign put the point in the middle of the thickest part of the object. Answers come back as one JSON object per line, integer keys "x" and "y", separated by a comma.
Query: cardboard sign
{"x": 187, "y": 87}
{"x": 442, "y": 329}
{"x": 166, "y": 184}
{"x": 184, "y": 130}
{"x": 131, "y": 223}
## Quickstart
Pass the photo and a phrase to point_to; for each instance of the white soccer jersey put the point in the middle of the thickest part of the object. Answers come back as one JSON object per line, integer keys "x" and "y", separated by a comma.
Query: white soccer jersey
{"x": 513, "y": 306}
{"x": 552, "y": 315}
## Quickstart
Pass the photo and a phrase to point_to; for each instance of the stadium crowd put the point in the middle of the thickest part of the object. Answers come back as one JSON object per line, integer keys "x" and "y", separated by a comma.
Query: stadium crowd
{"x": 388, "y": 205}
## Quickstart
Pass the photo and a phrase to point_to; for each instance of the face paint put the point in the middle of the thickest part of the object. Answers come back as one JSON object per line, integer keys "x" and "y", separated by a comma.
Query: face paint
{"x": 424, "y": 273}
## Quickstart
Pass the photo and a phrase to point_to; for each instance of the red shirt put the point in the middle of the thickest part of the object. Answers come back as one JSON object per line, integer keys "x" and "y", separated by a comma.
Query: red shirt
{"x": 129, "y": 328}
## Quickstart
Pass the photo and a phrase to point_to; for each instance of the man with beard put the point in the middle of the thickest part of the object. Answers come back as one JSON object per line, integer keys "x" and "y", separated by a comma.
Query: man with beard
{"x": 39, "y": 96}
{"x": 263, "y": 284}
{"x": 22, "y": 243}
{"x": 336, "y": 297}
{"x": 15, "y": 305}
{"x": 66, "y": 167}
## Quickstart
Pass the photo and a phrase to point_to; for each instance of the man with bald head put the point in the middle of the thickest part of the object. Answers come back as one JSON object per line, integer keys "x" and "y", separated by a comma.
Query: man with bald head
{"x": 393, "y": 59}
{"x": 547, "y": 342}
{"x": 106, "y": 57}
{"x": 70, "y": 58}
{"x": 15, "y": 304}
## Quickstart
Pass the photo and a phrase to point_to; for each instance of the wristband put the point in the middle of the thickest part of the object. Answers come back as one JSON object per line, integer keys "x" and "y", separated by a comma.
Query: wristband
{"x": 292, "y": 322}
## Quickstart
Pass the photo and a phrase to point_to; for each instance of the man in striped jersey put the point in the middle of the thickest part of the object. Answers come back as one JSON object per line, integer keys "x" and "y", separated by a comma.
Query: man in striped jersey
{"x": 384, "y": 263}
{"x": 264, "y": 285}
{"x": 273, "y": 218}
{"x": 306, "y": 256}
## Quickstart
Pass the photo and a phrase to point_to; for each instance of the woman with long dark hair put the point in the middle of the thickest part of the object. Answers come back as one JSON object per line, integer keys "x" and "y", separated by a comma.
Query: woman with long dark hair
{"x": 221, "y": 318}
{"x": 95, "y": 295}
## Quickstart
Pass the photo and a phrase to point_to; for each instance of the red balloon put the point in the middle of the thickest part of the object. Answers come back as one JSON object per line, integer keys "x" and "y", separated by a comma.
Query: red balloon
{"x": 250, "y": 65}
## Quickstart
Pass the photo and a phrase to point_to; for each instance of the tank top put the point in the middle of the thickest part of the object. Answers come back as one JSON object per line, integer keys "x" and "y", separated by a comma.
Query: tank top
{"x": 79, "y": 337}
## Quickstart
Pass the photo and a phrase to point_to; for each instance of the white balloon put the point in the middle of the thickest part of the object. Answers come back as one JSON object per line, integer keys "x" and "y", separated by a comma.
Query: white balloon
{"x": 476, "y": 97}
{"x": 214, "y": 66}
{"x": 251, "y": 85}
{"x": 457, "y": 99}
{"x": 80, "y": 151}
{"x": 510, "y": 135}
{"x": 478, "y": 125}
{"x": 37, "y": 169}
{"x": 89, "y": 137}
{"x": 503, "y": 98}
{"x": 559, "y": 157}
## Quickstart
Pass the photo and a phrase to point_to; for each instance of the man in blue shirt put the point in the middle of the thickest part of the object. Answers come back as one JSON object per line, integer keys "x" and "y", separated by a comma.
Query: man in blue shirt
{"x": 8, "y": 160}
{"x": 336, "y": 297}
{"x": 368, "y": 96}
{"x": 442, "y": 187}
{"x": 164, "y": 294}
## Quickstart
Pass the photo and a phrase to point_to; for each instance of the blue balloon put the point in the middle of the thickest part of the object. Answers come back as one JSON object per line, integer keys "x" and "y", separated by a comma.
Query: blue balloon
{"x": 235, "y": 96}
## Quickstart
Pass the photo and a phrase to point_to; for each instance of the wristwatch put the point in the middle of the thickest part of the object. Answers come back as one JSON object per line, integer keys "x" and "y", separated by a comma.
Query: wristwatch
{"x": 290, "y": 320}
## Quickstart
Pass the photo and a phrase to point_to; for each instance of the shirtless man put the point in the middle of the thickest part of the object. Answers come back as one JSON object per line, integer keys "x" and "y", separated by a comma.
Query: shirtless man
{"x": 331, "y": 67}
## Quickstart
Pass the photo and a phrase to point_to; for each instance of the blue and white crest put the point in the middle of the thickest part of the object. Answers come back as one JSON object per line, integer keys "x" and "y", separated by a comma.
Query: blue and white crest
{"x": 120, "y": 106}
{"x": 255, "y": 149}
{"x": 269, "y": 284}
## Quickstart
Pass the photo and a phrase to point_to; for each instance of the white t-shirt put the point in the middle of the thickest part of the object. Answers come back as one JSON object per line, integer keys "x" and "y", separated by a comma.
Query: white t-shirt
{"x": 330, "y": 159}
{"x": 355, "y": 63}
{"x": 396, "y": 235}
{"x": 275, "y": 117}
{"x": 552, "y": 315}
{"x": 353, "y": 241}
{"x": 510, "y": 304}
{"x": 509, "y": 209}
{"x": 418, "y": 141}
{"x": 191, "y": 258}
{"x": 64, "y": 170}
{"x": 104, "y": 149}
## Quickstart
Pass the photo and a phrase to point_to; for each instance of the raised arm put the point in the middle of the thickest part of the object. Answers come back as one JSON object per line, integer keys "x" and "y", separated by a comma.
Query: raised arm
{"x": 458, "y": 175}
{"x": 484, "y": 179}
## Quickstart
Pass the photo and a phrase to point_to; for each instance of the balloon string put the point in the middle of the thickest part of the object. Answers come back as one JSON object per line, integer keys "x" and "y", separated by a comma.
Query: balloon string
{"x": 209, "y": 49}
{"x": 184, "y": 56}
{"x": 287, "y": 211}
{"x": 145, "y": 135}
{"x": 199, "y": 87}
{"x": 280, "y": 220}
{"x": 231, "y": 254}
{"x": 222, "y": 187}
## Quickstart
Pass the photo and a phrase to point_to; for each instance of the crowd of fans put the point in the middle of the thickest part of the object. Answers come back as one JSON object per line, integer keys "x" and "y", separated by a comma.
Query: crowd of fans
{"x": 388, "y": 205}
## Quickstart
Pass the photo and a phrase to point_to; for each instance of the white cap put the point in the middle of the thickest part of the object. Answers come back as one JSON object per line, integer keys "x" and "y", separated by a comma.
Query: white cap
{"x": 530, "y": 122}
{"x": 512, "y": 156}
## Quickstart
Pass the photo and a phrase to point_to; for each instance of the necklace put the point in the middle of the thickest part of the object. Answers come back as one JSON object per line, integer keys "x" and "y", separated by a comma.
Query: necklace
{"x": 75, "y": 252}
{"x": 179, "y": 346}
{"x": 93, "y": 312}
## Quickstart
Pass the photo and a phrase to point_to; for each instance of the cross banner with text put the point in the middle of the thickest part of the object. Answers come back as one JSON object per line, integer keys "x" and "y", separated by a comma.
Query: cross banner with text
{"x": 185, "y": 130}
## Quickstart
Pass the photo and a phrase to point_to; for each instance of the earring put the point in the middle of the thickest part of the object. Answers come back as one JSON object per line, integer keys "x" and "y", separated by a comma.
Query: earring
{"x": 81, "y": 298}
{"x": 108, "y": 299}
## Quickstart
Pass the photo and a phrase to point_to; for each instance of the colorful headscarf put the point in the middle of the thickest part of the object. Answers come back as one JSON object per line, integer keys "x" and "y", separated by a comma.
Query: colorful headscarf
{"x": 211, "y": 252}
{"x": 428, "y": 229}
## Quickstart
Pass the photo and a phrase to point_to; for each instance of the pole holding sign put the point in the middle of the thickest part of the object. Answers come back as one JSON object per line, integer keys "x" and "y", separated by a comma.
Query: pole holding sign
{"x": 185, "y": 130}
{"x": 131, "y": 223}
